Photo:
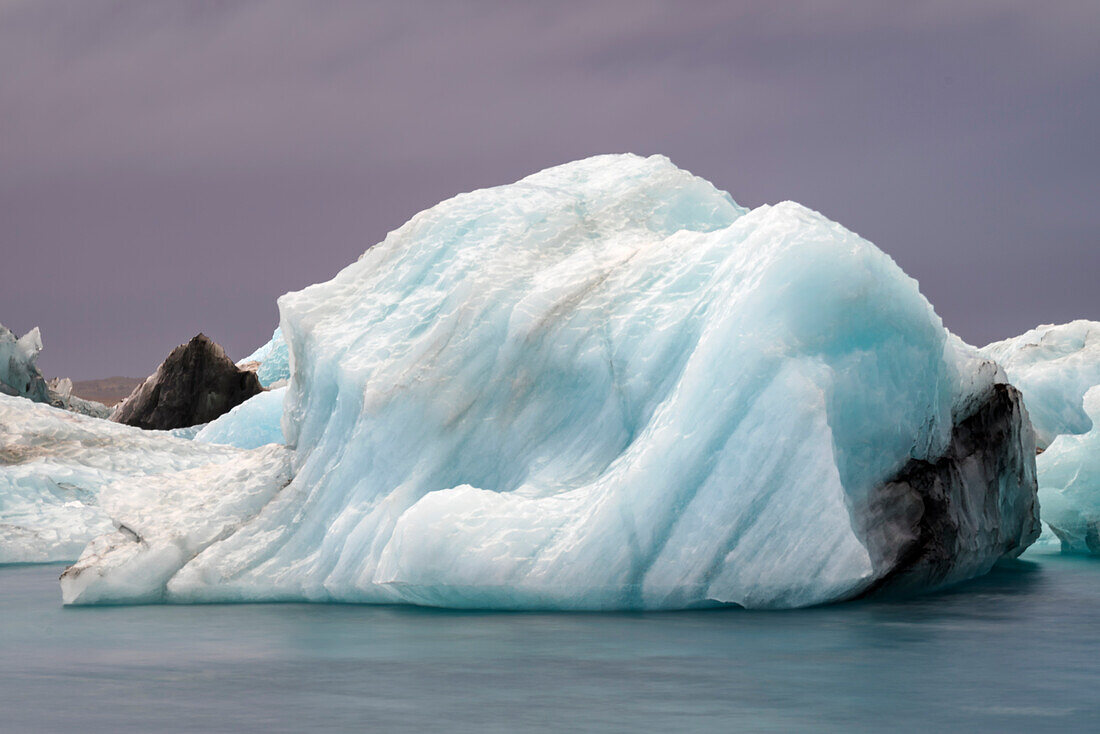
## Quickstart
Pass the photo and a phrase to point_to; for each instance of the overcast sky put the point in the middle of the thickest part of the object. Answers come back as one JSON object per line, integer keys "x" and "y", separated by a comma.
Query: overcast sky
{"x": 170, "y": 168}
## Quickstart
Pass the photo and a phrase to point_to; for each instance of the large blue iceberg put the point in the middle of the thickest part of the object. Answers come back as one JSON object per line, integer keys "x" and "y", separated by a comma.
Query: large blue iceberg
{"x": 606, "y": 386}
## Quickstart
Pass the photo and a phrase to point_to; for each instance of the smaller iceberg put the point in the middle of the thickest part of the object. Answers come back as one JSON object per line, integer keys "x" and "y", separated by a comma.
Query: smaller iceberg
{"x": 1052, "y": 366}
{"x": 272, "y": 360}
{"x": 254, "y": 423}
{"x": 19, "y": 375}
{"x": 1069, "y": 484}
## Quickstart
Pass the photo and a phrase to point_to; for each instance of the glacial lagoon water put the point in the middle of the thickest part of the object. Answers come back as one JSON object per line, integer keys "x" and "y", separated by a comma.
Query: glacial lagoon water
{"x": 1018, "y": 650}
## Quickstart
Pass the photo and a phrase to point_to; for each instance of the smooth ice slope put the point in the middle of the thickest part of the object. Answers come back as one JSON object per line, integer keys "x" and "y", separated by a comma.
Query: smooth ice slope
{"x": 53, "y": 465}
{"x": 608, "y": 386}
{"x": 1069, "y": 484}
{"x": 273, "y": 358}
{"x": 1052, "y": 366}
{"x": 254, "y": 423}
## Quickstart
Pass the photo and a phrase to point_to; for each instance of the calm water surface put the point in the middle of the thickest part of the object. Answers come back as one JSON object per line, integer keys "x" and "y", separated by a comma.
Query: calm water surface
{"x": 1016, "y": 651}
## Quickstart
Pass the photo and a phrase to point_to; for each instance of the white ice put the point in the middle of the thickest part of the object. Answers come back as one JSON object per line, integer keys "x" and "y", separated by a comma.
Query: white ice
{"x": 254, "y": 423}
{"x": 54, "y": 464}
{"x": 171, "y": 519}
{"x": 19, "y": 373}
{"x": 604, "y": 386}
{"x": 273, "y": 358}
{"x": 1069, "y": 484}
{"x": 1052, "y": 366}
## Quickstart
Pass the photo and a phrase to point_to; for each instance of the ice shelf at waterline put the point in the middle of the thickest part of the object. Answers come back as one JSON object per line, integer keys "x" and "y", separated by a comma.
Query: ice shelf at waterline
{"x": 606, "y": 386}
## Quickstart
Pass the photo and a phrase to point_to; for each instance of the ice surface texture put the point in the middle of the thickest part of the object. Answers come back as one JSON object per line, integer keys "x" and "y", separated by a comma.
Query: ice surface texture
{"x": 19, "y": 373}
{"x": 254, "y": 423}
{"x": 273, "y": 359}
{"x": 1069, "y": 484}
{"x": 53, "y": 465}
{"x": 169, "y": 521}
{"x": 1052, "y": 366}
{"x": 605, "y": 386}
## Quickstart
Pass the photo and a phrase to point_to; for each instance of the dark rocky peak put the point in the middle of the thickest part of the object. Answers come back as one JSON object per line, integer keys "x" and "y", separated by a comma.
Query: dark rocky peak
{"x": 195, "y": 384}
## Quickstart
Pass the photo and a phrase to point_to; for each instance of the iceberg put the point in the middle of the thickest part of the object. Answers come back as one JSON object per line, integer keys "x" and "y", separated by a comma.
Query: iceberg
{"x": 1069, "y": 484}
{"x": 19, "y": 375}
{"x": 254, "y": 423}
{"x": 60, "y": 392}
{"x": 605, "y": 386}
{"x": 54, "y": 465}
{"x": 1052, "y": 366}
{"x": 1055, "y": 367}
{"x": 271, "y": 361}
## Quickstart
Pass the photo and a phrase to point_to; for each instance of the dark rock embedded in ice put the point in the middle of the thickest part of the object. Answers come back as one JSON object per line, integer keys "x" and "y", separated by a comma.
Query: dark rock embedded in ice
{"x": 937, "y": 522}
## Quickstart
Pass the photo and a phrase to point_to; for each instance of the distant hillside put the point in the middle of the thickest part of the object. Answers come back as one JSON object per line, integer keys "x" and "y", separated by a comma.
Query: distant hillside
{"x": 108, "y": 390}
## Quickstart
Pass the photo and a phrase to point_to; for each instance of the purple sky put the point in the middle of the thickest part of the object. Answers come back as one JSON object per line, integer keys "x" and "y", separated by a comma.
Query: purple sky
{"x": 167, "y": 168}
